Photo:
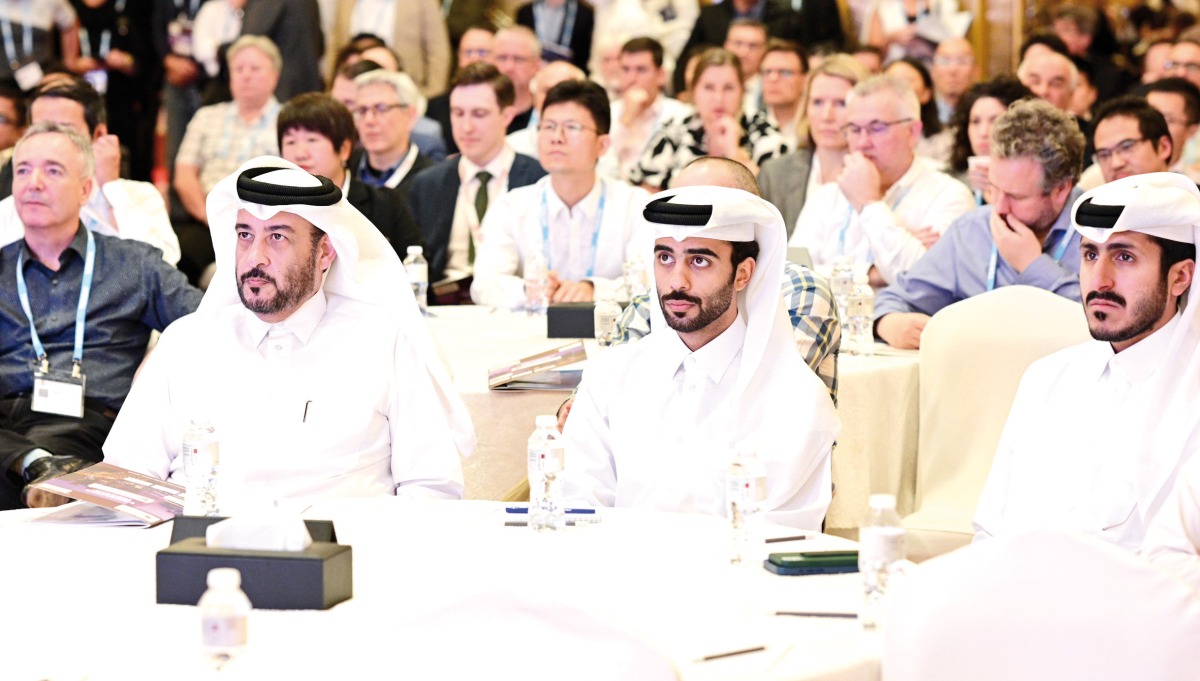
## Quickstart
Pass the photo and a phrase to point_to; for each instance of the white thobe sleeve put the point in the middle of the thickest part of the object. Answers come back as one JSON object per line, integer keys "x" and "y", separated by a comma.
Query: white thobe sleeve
{"x": 144, "y": 438}
{"x": 1174, "y": 534}
{"x": 989, "y": 512}
{"x": 590, "y": 476}
{"x": 498, "y": 263}
{"x": 425, "y": 461}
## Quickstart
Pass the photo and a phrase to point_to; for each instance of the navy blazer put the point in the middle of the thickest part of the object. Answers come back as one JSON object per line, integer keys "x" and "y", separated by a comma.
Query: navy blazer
{"x": 432, "y": 198}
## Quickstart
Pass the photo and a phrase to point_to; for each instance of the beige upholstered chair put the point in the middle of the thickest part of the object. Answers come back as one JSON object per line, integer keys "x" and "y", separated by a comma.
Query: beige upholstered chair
{"x": 1041, "y": 606}
{"x": 973, "y": 354}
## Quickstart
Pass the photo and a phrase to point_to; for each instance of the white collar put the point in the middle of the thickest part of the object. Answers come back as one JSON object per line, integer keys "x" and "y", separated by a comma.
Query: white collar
{"x": 302, "y": 323}
{"x": 558, "y": 210}
{"x": 1139, "y": 360}
{"x": 714, "y": 358}
{"x": 497, "y": 167}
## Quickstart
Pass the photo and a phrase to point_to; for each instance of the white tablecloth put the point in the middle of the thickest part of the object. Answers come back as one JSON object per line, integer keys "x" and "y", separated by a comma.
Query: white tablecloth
{"x": 80, "y": 601}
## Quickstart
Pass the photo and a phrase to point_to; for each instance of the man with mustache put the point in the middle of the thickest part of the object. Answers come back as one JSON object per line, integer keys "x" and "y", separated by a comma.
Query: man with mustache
{"x": 656, "y": 423}
{"x": 308, "y": 355}
{"x": 1059, "y": 464}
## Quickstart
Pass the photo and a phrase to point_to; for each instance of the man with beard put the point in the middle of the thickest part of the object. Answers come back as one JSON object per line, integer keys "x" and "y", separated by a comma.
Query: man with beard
{"x": 656, "y": 423}
{"x": 1060, "y": 464}
{"x": 307, "y": 355}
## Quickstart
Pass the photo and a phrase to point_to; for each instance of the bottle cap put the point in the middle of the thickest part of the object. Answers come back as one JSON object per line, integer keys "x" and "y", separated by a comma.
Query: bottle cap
{"x": 882, "y": 502}
{"x": 224, "y": 578}
{"x": 547, "y": 421}
{"x": 415, "y": 250}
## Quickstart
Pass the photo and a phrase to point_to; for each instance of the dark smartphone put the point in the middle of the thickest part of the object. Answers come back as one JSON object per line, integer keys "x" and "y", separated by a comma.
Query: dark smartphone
{"x": 812, "y": 562}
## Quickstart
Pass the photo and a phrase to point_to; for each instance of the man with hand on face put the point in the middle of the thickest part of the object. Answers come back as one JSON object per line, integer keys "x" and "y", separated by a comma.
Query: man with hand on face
{"x": 584, "y": 225}
{"x": 1059, "y": 464}
{"x": 656, "y": 423}
{"x": 1023, "y": 237}
{"x": 308, "y": 355}
{"x": 888, "y": 205}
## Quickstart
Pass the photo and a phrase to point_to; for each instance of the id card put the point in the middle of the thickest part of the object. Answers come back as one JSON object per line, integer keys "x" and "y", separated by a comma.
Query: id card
{"x": 98, "y": 78}
{"x": 58, "y": 392}
{"x": 29, "y": 75}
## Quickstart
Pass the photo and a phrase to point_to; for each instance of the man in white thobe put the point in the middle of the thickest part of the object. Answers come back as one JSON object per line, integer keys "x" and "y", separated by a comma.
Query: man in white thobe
{"x": 655, "y": 423}
{"x": 307, "y": 354}
{"x": 1098, "y": 432}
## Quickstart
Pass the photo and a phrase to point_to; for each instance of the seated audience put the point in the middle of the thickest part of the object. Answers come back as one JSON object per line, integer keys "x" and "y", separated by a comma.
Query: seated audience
{"x": 525, "y": 140}
{"x": 972, "y": 123}
{"x": 1138, "y": 259}
{"x": 747, "y": 38}
{"x": 584, "y": 225}
{"x": 954, "y": 70}
{"x": 304, "y": 282}
{"x": 385, "y": 110}
{"x": 564, "y": 28}
{"x": 1023, "y": 237}
{"x": 62, "y": 386}
{"x": 475, "y": 46}
{"x": 935, "y": 140}
{"x": 518, "y": 55}
{"x": 1130, "y": 138}
{"x": 1050, "y": 75}
{"x": 1178, "y": 100}
{"x": 783, "y": 71}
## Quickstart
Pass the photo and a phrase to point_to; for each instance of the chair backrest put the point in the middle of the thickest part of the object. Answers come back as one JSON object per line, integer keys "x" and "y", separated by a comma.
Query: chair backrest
{"x": 973, "y": 354}
{"x": 1043, "y": 605}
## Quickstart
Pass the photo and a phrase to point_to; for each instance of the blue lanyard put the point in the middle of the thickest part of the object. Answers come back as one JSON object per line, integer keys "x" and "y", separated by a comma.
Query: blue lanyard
{"x": 85, "y": 44}
{"x": 568, "y": 26}
{"x": 850, "y": 214}
{"x": 595, "y": 228}
{"x": 227, "y": 132}
{"x": 85, "y": 292}
{"x": 1059, "y": 251}
{"x": 10, "y": 45}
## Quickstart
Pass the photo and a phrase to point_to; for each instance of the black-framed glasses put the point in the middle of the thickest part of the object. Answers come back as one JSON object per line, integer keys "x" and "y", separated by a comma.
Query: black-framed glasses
{"x": 377, "y": 109}
{"x": 1122, "y": 149}
{"x": 873, "y": 129}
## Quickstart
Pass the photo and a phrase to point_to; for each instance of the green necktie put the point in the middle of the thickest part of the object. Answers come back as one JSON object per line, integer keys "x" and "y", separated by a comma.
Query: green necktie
{"x": 481, "y": 206}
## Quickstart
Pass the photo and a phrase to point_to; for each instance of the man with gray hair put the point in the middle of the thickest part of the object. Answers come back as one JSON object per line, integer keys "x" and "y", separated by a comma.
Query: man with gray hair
{"x": 1050, "y": 75}
{"x": 518, "y": 54}
{"x": 1023, "y": 237}
{"x": 76, "y": 312}
{"x": 887, "y": 205}
{"x": 386, "y": 107}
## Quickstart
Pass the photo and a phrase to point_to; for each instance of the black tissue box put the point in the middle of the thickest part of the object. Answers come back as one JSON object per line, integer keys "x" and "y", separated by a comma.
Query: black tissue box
{"x": 316, "y": 578}
{"x": 571, "y": 320}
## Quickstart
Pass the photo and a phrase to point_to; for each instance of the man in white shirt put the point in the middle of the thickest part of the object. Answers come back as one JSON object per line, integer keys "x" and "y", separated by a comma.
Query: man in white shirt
{"x": 525, "y": 140}
{"x": 385, "y": 111}
{"x": 888, "y": 205}
{"x": 783, "y": 70}
{"x": 642, "y": 107}
{"x": 656, "y": 423}
{"x": 1051, "y": 76}
{"x": 747, "y": 39}
{"x": 308, "y": 355}
{"x": 584, "y": 226}
{"x": 1058, "y": 464}
{"x": 116, "y": 207}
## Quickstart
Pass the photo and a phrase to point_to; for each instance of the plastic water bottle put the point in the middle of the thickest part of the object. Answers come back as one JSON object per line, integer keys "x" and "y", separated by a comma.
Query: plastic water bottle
{"x": 604, "y": 319}
{"x": 546, "y": 457}
{"x": 224, "y": 611}
{"x": 417, "y": 268}
{"x": 881, "y": 547}
{"x": 634, "y": 275}
{"x": 537, "y": 279}
{"x": 841, "y": 280}
{"x": 201, "y": 461}
{"x": 860, "y": 319}
{"x": 745, "y": 491}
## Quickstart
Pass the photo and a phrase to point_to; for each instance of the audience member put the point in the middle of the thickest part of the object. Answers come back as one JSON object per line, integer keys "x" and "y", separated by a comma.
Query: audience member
{"x": 475, "y": 46}
{"x": 385, "y": 110}
{"x": 585, "y": 226}
{"x": 668, "y": 22}
{"x": 954, "y": 70}
{"x": 605, "y": 68}
{"x": 1076, "y": 25}
{"x": 43, "y": 26}
{"x": 54, "y": 419}
{"x": 870, "y": 57}
{"x": 712, "y": 25}
{"x": 747, "y": 39}
{"x": 1185, "y": 61}
{"x": 974, "y": 117}
{"x": 1155, "y": 59}
{"x": 1131, "y": 138}
{"x": 1023, "y": 237}
{"x": 414, "y": 29}
{"x": 1051, "y": 76}
{"x": 183, "y": 77}
{"x": 518, "y": 55}
{"x": 525, "y": 140}
{"x": 12, "y": 120}
{"x": 1178, "y": 100}
{"x": 935, "y": 141}
{"x": 783, "y": 71}
{"x": 294, "y": 27}
{"x": 563, "y": 27}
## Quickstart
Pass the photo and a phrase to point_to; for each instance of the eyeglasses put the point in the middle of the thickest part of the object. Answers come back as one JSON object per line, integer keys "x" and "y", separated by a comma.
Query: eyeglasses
{"x": 954, "y": 61}
{"x": 378, "y": 109}
{"x": 571, "y": 129}
{"x": 1105, "y": 156}
{"x": 514, "y": 58}
{"x": 873, "y": 129}
{"x": 1189, "y": 66}
{"x": 782, "y": 73}
{"x": 475, "y": 54}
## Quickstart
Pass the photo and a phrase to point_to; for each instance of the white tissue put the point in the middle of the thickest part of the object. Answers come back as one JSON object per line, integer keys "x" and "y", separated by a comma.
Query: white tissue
{"x": 264, "y": 531}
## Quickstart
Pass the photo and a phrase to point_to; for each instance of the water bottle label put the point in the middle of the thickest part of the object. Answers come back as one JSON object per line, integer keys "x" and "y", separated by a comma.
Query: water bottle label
{"x": 881, "y": 545}
{"x": 224, "y": 631}
{"x": 747, "y": 489}
{"x": 546, "y": 459}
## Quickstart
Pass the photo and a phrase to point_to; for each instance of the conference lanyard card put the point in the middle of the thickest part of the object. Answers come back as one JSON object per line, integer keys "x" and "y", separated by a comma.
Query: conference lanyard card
{"x": 29, "y": 75}
{"x": 58, "y": 392}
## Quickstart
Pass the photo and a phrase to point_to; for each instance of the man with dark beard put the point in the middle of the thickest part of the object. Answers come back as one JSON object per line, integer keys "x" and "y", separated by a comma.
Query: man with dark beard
{"x": 1098, "y": 432}
{"x": 656, "y": 423}
{"x": 322, "y": 381}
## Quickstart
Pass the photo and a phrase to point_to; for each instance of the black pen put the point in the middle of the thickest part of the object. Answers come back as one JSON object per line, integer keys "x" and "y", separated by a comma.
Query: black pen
{"x": 709, "y": 658}
{"x": 795, "y": 538}
{"x": 835, "y": 615}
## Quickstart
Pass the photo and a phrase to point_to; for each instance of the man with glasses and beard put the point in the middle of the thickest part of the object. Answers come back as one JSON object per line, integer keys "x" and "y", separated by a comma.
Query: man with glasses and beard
{"x": 656, "y": 423}
{"x": 308, "y": 355}
{"x": 1098, "y": 432}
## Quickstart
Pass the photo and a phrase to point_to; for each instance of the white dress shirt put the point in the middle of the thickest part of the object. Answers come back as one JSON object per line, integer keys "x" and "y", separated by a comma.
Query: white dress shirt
{"x": 654, "y": 425}
{"x": 137, "y": 207}
{"x": 332, "y": 402}
{"x": 514, "y": 225}
{"x": 465, "y": 224}
{"x": 377, "y": 17}
{"x": 1064, "y": 460}
{"x": 879, "y": 234}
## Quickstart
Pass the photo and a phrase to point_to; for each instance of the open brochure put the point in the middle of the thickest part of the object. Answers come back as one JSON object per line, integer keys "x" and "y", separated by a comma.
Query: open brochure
{"x": 114, "y": 496}
{"x": 541, "y": 371}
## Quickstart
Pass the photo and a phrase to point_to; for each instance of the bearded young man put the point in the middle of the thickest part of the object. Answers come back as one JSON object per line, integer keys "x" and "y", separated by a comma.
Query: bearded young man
{"x": 655, "y": 423}
{"x": 307, "y": 354}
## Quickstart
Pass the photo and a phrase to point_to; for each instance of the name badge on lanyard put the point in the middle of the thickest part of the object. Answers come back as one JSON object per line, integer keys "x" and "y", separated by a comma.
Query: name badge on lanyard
{"x": 59, "y": 392}
{"x": 179, "y": 31}
{"x": 29, "y": 74}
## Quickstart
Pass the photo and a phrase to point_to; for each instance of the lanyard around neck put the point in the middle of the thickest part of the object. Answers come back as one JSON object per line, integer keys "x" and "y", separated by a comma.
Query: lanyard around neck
{"x": 1060, "y": 249}
{"x": 85, "y": 43}
{"x": 850, "y": 214}
{"x": 568, "y": 25}
{"x": 85, "y": 291}
{"x": 595, "y": 227}
{"x": 10, "y": 45}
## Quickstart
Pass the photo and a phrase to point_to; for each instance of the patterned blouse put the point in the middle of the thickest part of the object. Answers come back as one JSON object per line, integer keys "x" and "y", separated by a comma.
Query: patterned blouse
{"x": 679, "y": 142}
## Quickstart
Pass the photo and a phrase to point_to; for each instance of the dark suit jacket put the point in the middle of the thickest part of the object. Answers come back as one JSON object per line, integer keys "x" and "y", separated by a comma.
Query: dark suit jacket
{"x": 295, "y": 26}
{"x": 713, "y": 23}
{"x": 388, "y": 210}
{"x": 438, "y": 109}
{"x": 580, "y": 40}
{"x": 434, "y": 194}
{"x": 783, "y": 181}
{"x": 421, "y": 163}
